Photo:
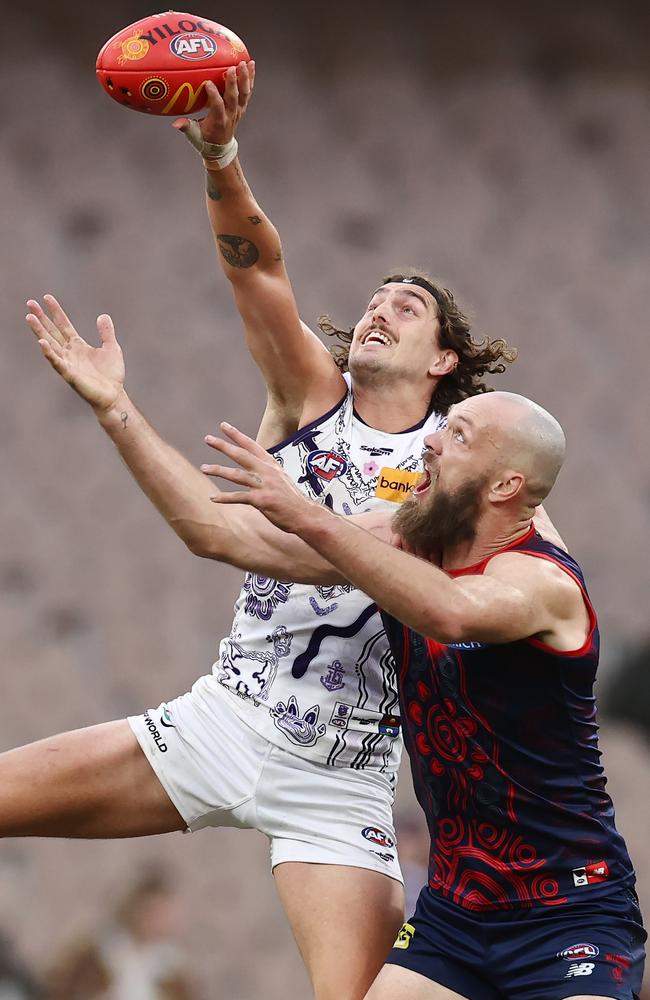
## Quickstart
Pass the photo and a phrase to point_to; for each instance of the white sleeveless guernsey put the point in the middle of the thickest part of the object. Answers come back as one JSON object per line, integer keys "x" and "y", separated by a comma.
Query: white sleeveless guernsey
{"x": 311, "y": 666}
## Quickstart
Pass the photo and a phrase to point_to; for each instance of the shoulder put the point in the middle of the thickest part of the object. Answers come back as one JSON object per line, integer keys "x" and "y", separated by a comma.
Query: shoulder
{"x": 322, "y": 403}
{"x": 280, "y": 425}
{"x": 548, "y": 578}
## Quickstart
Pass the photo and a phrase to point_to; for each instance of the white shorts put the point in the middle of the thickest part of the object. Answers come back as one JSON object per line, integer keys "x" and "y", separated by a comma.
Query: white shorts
{"x": 219, "y": 772}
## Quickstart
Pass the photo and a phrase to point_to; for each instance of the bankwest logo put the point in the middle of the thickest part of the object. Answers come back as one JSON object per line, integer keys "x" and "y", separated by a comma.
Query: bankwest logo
{"x": 396, "y": 485}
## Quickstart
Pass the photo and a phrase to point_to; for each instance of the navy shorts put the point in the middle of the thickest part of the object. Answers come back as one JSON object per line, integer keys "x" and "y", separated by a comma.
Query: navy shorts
{"x": 581, "y": 949}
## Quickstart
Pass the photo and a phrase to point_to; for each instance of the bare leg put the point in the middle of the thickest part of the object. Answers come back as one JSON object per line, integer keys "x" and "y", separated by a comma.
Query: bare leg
{"x": 345, "y": 921}
{"x": 396, "y": 983}
{"x": 89, "y": 783}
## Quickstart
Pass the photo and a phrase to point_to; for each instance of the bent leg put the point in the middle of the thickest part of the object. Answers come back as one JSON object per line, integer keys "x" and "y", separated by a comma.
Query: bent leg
{"x": 90, "y": 783}
{"x": 396, "y": 983}
{"x": 345, "y": 921}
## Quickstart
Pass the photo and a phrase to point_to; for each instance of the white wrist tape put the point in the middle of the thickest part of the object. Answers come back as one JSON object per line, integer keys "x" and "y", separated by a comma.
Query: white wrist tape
{"x": 215, "y": 156}
{"x": 220, "y": 159}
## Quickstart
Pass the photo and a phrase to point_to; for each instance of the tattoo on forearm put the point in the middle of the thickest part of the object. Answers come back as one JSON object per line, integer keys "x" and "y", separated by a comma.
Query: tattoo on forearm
{"x": 255, "y": 219}
{"x": 124, "y": 418}
{"x": 238, "y": 251}
{"x": 211, "y": 188}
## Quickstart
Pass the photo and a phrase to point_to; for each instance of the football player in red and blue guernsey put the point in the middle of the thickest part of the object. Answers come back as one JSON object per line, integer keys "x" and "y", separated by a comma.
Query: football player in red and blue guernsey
{"x": 531, "y": 889}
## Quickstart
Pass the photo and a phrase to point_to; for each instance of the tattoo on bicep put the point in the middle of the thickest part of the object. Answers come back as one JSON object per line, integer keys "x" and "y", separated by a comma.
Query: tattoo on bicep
{"x": 238, "y": 251}
{"x": 255, "y": 219}
{"x": 211, "y": 188}
{"x": 124, "y": 417}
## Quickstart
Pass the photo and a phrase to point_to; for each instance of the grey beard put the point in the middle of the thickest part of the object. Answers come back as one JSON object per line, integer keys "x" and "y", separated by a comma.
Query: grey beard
{"x": 440, "y": 523}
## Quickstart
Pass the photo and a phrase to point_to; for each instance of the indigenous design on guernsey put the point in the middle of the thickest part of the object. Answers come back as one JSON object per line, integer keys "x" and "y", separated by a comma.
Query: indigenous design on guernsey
{"x": 311, "y": 666}
{"x": 504, "y": 754}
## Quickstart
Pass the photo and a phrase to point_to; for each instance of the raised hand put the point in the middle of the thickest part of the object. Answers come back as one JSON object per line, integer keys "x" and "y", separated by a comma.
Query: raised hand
{"x": 269, "y": 489}
{"x": 224, "y": 113}
{"x": 95, "y": 373}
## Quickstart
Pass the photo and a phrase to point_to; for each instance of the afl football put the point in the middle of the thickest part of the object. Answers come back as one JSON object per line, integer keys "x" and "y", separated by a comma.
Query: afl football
{"x": 160, "y": 65}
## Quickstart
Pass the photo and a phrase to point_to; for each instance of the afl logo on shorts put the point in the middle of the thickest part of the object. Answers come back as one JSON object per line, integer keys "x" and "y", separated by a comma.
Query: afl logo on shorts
{"x": 326, "y": 465}
{"x": 193, "y": 45}
{"x": 377, "y": 837}
{"x": 578, "y": 951}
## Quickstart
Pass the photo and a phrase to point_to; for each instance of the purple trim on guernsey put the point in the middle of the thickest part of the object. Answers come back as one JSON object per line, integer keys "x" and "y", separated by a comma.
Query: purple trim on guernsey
{"x": 409, "y": 430}
{"x": 314, "y": 423}
{"x": 309, "y": 426}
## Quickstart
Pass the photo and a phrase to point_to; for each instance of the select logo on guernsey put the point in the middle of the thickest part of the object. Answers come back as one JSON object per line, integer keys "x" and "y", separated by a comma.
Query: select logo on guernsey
{"x": 396, "y": 485}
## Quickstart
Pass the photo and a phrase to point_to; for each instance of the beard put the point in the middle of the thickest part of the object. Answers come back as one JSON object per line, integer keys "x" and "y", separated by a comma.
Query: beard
{"x": 441, "y": 522}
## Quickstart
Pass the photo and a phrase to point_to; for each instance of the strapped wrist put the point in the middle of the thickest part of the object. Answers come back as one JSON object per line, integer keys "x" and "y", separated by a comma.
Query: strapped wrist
{"x": 218, "y": 157}
{"x": 215, "y": 155}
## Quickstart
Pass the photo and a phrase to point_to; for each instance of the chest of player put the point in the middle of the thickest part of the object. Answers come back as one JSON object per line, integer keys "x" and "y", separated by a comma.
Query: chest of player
{"x": 352, "y": 471}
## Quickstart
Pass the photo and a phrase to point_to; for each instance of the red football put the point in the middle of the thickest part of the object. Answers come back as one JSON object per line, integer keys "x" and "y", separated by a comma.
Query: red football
{"x": 161, "y": 64}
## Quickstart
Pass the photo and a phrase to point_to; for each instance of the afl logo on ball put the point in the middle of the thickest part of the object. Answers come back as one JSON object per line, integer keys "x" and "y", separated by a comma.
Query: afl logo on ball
{"x": 578, "y": 951}
{"x": 377, "y": 836}
{"x": 193, "y": 45}
{"x": 326, "y": 464}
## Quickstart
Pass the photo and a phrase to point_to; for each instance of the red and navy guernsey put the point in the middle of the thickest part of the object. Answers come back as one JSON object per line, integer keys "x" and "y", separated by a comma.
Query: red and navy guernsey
{"x": 503, "y": 744}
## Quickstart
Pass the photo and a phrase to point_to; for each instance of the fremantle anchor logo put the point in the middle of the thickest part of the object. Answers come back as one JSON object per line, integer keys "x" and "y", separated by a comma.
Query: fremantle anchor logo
{"x": 333, "y": 679}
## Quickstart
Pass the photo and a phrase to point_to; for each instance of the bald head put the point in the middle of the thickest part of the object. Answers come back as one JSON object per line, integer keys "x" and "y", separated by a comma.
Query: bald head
{"x": 524, "y": 436}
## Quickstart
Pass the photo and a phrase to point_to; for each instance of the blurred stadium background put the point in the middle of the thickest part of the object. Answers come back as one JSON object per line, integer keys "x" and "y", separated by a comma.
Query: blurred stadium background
{"x": 505, "y": 147}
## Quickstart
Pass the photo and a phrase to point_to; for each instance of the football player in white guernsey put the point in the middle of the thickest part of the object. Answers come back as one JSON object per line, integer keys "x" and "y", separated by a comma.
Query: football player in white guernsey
{"x": 352, "y": 440}
{"x": 296, "y": 730}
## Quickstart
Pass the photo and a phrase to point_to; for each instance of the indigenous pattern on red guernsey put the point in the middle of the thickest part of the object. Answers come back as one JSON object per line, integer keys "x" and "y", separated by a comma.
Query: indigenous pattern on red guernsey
{"x": 504, "y": 754}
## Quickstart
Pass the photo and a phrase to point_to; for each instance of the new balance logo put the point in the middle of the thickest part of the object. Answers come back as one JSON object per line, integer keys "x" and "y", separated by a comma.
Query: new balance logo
{"x": 580, "y": 969}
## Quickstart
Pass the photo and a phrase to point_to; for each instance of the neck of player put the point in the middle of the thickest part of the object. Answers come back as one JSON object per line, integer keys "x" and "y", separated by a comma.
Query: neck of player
{"x": 494, "y": 532}
{"x": 393, "y": 408}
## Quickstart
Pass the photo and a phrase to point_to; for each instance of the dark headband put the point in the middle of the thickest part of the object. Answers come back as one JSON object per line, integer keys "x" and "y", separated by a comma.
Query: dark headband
{"x": 422, "y": 282}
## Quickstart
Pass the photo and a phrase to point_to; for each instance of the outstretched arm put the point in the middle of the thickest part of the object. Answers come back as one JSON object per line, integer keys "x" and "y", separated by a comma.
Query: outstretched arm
{"x": 519, "y": 596}
{"x": 240, "y": 536}
{"x": 302, "y": 378}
